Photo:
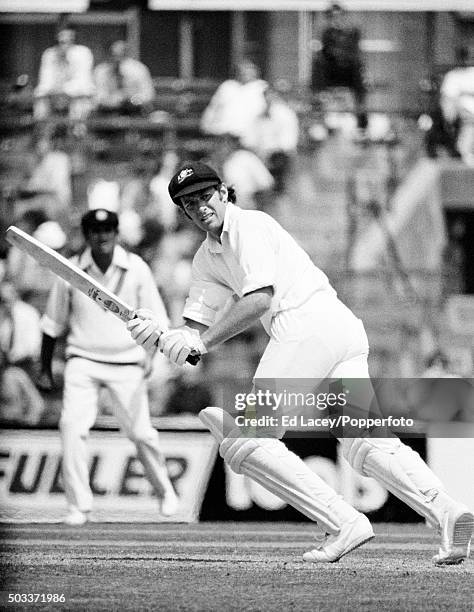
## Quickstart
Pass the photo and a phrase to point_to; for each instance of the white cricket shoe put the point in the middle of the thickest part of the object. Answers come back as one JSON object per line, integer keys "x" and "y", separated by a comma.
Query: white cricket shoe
{"x": 457, "y": 528}
{"x": 169, "y": 503}
{"x": 75, "y": 517}
{"x": 352, "y": 535}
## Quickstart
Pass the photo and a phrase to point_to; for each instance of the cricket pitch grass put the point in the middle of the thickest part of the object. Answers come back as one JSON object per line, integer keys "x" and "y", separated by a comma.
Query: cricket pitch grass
{"x": 225, "y": 567}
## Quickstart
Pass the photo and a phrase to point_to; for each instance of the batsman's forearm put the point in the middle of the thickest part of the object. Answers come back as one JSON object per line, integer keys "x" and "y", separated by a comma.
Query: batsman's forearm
{"x": 47, "y": 350}
{"x": 238, "y": 318}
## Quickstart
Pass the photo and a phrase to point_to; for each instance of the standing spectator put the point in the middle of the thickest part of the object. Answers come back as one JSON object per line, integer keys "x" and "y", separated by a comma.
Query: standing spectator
{"x": 236, "y": 103}
{"x": 274, "y": 136}
{"x": 124, "y": 85}
{"x": 65, "y": 78}
{"x": 339, "y": 63}
{"x": 100, "y": 353}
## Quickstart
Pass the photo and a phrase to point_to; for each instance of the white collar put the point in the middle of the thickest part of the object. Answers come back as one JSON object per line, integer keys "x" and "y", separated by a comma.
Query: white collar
{"x": 212, "y": 243}
{"x": 119, "y": 259}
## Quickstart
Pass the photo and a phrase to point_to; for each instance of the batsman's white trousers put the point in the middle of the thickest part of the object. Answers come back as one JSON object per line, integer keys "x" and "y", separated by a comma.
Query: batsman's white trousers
{"x": 323, "y": 339}
{"x": 320, "y": 340}
{"x": 82, "y": 381}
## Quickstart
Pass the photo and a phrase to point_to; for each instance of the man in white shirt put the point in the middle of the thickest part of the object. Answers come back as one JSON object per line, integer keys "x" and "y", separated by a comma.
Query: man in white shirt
{"x": 313, "y": 337}
{"x": 236, "y": 103}
{"x": 245, "y": 171}
{"x": 65, "y": 77}
{"x": 273, "y": 136}
{"x": 124, "y": 85}
{"x": 457, "y": 104}
{"x": 100, "y": 352}
{"x": 20, "y": 336}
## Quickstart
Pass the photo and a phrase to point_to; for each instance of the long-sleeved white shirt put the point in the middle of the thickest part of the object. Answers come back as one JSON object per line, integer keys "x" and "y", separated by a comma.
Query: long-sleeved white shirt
{"x": 72, "y": 77}
{"x": 92, "y": 332}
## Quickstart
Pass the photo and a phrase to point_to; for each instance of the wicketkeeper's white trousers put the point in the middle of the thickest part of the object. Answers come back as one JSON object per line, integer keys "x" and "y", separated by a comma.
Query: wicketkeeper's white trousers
{"x": 82, "y": 381}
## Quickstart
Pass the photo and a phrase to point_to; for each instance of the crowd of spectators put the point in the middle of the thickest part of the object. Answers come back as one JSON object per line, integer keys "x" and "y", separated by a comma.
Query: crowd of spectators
{"x": 69, "y": 83}
{"x": 256, "y": 133}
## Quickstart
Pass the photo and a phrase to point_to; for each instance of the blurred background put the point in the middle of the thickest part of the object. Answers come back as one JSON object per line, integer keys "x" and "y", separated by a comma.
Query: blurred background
{"x": 357, "y": 136}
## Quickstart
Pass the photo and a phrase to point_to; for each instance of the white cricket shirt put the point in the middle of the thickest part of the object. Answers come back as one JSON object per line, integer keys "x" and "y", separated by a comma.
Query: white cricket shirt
{"x": 93, "y": 332}
{"x": 255, "y": 252}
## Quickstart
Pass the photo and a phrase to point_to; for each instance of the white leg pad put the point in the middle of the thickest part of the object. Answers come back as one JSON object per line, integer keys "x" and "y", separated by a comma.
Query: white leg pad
{"x": 399, "y": 469}
{"x": 269, "y": 463}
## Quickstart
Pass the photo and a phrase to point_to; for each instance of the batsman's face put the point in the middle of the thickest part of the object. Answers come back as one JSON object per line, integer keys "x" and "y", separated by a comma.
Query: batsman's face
{"x": 102, "y": 240}
{"x": 206, "y": 209}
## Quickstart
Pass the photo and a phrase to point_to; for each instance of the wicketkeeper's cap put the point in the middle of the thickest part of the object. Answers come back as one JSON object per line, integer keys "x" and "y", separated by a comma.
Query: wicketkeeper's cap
{"x": 99, "y": 217}
{"x": 191, "y": 177}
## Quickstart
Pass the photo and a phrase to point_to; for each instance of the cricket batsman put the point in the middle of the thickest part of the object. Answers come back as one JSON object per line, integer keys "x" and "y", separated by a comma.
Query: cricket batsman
{"x": 312, "y": 335}
{"x": 100, "y": 353}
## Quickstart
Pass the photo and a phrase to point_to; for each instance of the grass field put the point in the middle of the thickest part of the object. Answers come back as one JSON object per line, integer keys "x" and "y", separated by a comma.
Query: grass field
{"x": 225, "y": 566}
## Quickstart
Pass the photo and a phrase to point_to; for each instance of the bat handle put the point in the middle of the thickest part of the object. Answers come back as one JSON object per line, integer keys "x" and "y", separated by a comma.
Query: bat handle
{"x": 193, "y": 359}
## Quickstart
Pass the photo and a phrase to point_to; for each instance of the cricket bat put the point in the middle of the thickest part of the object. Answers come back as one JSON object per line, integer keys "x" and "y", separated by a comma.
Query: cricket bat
{"x": 76, "y": 277}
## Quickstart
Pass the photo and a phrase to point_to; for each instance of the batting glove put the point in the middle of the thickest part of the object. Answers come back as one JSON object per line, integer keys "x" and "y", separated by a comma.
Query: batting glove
{"x": 145, "y": 329}
{"x": 178, "y": 344}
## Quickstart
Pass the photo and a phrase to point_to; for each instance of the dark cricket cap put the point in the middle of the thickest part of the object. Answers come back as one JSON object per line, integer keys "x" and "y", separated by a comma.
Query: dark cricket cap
{"x": 191, "y": 177}
{"x": 99, "y": 217}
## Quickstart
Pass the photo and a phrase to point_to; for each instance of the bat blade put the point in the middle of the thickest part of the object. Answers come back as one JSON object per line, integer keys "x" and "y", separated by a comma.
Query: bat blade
{"x": 76, "y": 277}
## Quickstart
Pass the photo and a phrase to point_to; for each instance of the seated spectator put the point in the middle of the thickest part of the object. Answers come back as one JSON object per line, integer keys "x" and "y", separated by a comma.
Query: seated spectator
{"x": 440, "y": 395}
{"x": 123, "y": 84}
{"x": 160, "y": 202}
{"x": 236, "y": 102}
{"x": 171, "y": 269}
{"x": 457, "y": 104}
{"x": 244, "y": 171}
{"x": 20, "y": 336}
{"x": 274, "y": 136}
{"x": 65, "y": 78}
{"x": 438, "y": 366}
{"x": 20, "y": 402}
{"x": 339, "y": 63}
{"x": 50, "y": 184}
{"x": 189, "y": 393}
